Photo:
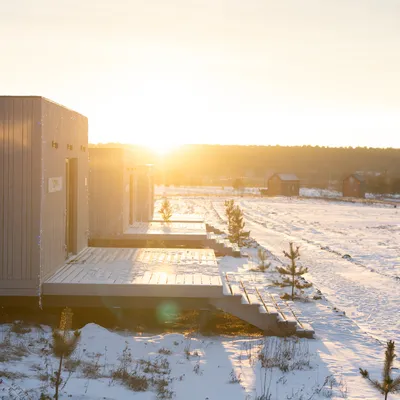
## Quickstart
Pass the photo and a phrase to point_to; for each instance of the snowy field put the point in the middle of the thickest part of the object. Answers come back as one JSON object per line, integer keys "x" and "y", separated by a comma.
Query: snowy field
{"x": 228, "y": 191}
{"x": 353, "y": 255}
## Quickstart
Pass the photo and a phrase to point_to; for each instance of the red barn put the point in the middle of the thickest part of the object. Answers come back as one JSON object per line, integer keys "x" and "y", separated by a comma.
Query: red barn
{"x": 354, "y": 186}
{"x": 283, "y": 185}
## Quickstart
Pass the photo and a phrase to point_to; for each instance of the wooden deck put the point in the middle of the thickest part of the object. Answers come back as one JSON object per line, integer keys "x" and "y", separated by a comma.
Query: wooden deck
{"x": 191, "y": 218}
{"x": 150, "y": 278}
{"x": 163, "y": 231}
{"x": 138, "y": 272}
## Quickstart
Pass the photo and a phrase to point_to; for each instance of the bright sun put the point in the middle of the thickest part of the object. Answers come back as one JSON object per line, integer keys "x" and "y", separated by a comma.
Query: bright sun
{"x": 161, "y": 148}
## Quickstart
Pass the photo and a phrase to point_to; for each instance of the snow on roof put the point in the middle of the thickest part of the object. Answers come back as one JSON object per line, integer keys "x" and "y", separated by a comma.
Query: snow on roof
{"x": 359, "y": 177}
{"x": 287, "y": 177}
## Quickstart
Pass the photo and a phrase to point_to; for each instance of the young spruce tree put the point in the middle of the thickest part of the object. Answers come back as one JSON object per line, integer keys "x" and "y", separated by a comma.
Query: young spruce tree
{"x": 237, "y": 234}
{"x": 290, "y": 273}
{"x": 229, "y": 207}
{"x": 64, "y": 344}
{"x": 166, "y": 210}
{"x": 262, "y": 257}
{"x": 388, "y": 384}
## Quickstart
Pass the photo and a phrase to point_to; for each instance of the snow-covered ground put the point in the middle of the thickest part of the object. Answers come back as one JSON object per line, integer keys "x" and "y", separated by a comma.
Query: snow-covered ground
{"x": 352, "y": 251}
{"x": 172, "y": 366}
{"x": 353, "y": 255}
{"x": 228, "y": 191}
{"x": 211, "y": 190}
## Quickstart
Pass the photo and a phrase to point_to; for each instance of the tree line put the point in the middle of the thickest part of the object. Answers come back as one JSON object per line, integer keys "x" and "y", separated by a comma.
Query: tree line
{"x": 323, "y": 167}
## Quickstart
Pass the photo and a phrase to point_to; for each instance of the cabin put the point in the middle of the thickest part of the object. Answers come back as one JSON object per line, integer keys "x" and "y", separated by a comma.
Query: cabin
{"x": 354, "y": 185}
{"x": 283, "y": 185}
{"x": 110, "y": 200}
{"x": 43, "y": 191}
{"x": 142, "y": 186}
{"x": 120, "y": 193}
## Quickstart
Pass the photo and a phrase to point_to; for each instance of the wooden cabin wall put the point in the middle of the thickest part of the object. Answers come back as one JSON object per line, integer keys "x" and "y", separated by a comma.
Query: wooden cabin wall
{"x": 107, "y": 190}
{"x": 20, "y": 182}
{"x": 65, "y": 136}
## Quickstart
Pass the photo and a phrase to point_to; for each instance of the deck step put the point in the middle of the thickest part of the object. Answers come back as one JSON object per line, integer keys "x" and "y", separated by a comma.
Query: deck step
{"x": 223, "y": 245}
{"x": 256, "y": 306}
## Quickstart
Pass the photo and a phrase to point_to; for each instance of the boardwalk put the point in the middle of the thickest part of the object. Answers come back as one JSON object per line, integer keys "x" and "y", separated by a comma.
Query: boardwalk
{"x": 138, "y": 272}
{"x": 180, "y": 218}
{"x": 145, "y": 278}
{"x": 183, "y": 229}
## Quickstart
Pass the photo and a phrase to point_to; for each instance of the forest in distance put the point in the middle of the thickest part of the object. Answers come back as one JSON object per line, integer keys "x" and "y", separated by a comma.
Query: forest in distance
{"x": 320, "y": 167}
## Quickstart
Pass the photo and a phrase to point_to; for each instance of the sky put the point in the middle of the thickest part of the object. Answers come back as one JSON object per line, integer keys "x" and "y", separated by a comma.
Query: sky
{"x": 168, "y": 72}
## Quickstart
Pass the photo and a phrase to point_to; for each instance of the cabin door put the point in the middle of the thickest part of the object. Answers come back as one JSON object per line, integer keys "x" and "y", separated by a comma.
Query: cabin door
{"x": 71, "y": 189}
{"x": 131, "y": 200}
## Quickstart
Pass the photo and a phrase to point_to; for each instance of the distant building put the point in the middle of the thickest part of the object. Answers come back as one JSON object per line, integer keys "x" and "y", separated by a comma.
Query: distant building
{"x": 43, "y": 191}
{"x": 142, "y": 187}
{"x": 120, "y": 193}
{"x": 354, "y": 186}
{"x": 110, "y": 201}
{"x": 283, "y": 185}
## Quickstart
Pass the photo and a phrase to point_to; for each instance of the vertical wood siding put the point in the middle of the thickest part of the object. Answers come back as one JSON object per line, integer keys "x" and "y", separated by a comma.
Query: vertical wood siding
{"x": 19, "y": 194}
{"x": 69, "y": 130}
{"x": 143, "y": 193}
{"x": 108, "y": 192}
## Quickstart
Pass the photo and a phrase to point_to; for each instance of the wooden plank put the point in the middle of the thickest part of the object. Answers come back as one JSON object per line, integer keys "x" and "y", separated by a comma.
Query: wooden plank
{"x": 206, "y": 280}
{"x": 253, "y": 299}
{"x": 82, "y": 255}
{"x": 112, "y": 255}
{"x": 180, "y": 279}
{"x": 87, "y": 256}
{"x": 215, "y": 280}
{"x": 154, "y": 278}
{"x": 135, "y": 253}
{"x": 26, "y": 180}
{"x": 197, "y": 279}
{"x": 97, "y": 274}
{"x": 79, "y": 276}
{"x": 246, "y": 296}
{"x": 69, "y": 273}
{"x": 269, "y": 308}
{"x": 99, "y": 255}
{"x": 171, "y": 279}
{"x": 284, "y": 309}
{"x": 162, "y": 280}
{"x": 137, "y": 279}
{"x": 235, "y": 289}
{"x": 54, "y": 277}
{"x": 226, "y": 288}
{"x": 62, "y": 273}
{"x": 146, "y": 277}
{"x": 7, "y": 200}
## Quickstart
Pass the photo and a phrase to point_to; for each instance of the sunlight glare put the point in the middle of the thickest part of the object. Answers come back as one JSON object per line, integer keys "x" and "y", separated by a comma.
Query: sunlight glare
{"x": 161, "y": 148}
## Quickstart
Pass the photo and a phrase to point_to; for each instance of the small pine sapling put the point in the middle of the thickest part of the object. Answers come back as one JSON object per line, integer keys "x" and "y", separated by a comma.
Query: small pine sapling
{"x": 388, "y": 384}
{"x": 166, "y": 210}
{"x": 64, "y": 344}
{"x": 229, "y": 207}
{"x": 290, "y": 273}
{"x": 262, "y": 260}
{"x": 237, "y": 234}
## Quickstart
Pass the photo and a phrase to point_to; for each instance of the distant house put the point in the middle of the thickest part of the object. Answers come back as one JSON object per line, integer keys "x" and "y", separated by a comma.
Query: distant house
{"x": 354, "y": 186}
{"x": 283, "y": 185}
